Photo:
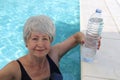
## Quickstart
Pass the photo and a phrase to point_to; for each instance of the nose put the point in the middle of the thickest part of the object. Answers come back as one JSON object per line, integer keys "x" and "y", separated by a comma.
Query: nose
{"x": 40, "y": 43}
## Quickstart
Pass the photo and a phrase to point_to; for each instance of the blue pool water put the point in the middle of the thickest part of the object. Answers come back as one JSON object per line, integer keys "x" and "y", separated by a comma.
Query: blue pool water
{"x": 65, "y": 14}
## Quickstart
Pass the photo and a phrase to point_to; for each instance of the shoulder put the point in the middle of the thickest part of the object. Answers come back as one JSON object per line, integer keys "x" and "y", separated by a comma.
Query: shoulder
{"x": 57, "y": 51}
{"x": 10, "y": 70}
{"x": 13, "y": 65}
{"x": 54, "y": 54}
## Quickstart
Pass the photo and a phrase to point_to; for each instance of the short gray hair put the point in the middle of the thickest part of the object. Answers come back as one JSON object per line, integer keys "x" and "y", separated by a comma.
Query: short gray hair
{"x": 42, "y": 24}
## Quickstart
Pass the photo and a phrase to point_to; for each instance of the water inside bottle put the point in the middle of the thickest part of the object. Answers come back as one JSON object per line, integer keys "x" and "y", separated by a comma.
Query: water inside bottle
{"x": 91, "y": 41}
{"x": 95, "y": 26}
{"x": 87, "y": 54}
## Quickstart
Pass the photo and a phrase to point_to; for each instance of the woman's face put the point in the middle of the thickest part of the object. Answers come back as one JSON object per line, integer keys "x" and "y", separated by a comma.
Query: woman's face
{"x": 38, "y": 44}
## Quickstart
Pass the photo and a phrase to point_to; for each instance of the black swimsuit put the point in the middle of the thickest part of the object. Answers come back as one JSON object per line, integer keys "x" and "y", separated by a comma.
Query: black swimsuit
{"x": 55, "y": 73}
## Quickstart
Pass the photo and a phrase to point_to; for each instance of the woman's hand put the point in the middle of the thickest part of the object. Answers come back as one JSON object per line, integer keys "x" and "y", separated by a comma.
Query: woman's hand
{"x": 80, "y": 39}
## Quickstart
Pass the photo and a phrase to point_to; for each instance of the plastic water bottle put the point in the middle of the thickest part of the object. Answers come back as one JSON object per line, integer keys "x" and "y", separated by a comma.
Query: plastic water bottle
{"x": 93, "y": 32}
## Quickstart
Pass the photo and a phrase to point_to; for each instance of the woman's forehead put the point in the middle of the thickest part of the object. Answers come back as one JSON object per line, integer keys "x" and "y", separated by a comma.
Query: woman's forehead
{"x": 39, "y": 34}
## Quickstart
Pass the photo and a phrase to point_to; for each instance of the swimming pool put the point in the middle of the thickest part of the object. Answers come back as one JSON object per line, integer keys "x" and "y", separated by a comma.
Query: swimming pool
{"x": 65, "y": 14}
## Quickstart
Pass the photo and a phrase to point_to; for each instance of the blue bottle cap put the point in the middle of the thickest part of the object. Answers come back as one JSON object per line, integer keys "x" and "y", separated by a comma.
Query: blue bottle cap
{"x": 98, "y": 11}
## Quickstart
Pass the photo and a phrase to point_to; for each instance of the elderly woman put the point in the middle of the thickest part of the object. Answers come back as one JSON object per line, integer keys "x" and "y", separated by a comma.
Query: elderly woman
{"x": 42, "y": 60}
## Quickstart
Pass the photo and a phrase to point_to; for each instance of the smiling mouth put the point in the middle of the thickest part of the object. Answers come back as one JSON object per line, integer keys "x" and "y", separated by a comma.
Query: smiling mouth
{"x": 40, "y": 50}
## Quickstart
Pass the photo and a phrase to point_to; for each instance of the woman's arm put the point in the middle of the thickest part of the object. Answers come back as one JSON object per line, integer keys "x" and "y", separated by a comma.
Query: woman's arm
{"x": 60, "y": 49}
{"x": 72, "y": 41}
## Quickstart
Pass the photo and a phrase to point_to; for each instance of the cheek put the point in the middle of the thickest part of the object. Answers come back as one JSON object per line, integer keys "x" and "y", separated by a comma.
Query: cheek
{"x": 30, "y": 45}
{"x": 48, "y": 45}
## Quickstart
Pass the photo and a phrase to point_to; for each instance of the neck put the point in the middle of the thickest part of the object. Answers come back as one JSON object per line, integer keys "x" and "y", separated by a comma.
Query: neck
{"x": 36, "y": 61}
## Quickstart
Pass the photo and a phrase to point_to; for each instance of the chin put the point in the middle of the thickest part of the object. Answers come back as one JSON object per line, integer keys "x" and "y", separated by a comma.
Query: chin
{"x": 40, "y": 54}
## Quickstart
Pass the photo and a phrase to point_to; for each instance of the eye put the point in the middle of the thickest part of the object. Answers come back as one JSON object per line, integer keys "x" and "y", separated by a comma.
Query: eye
{"x": 45, "y": 39}
{"x": 35, "y": 39}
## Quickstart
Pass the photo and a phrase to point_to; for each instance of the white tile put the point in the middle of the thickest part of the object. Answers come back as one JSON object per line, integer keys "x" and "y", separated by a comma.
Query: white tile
{"x": 114, "y": 11}
{"x": 98, "y": 69}
{"x": 96, "y": 78}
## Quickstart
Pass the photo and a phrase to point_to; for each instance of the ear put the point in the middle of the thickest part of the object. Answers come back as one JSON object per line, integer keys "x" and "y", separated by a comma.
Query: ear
{"x": 26, "y": 45}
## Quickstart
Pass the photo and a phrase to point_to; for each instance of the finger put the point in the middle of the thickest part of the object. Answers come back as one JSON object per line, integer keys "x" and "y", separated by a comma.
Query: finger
{"x": 83, "y": 39}
{"x": 99, "y": 44}
{"x": 82, "y": 42}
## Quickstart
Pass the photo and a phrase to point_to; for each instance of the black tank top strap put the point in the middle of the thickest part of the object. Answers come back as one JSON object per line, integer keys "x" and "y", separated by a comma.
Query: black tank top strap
{"x": 55, "y": 73}
{"x": 24, "y": 75}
